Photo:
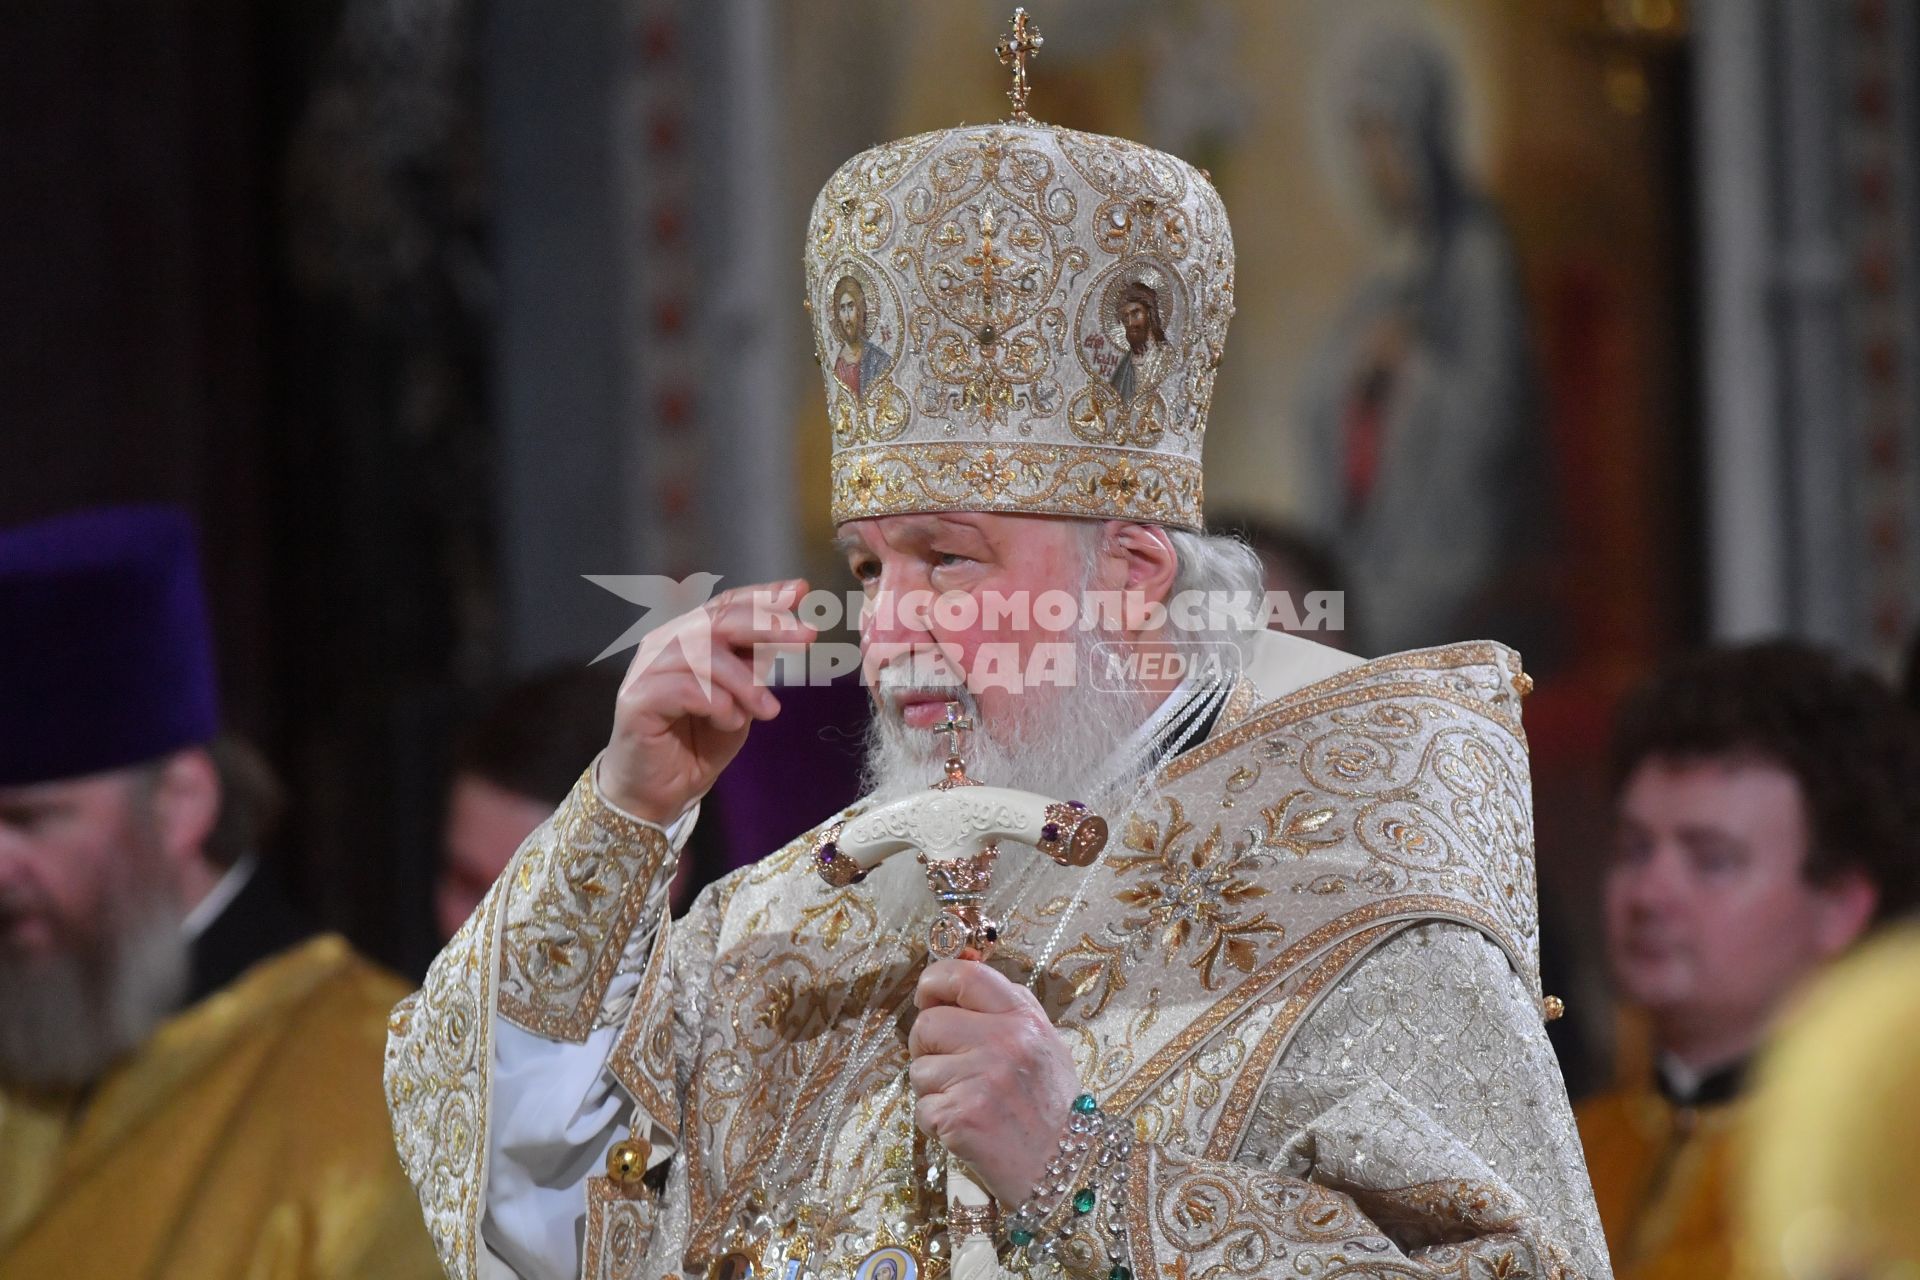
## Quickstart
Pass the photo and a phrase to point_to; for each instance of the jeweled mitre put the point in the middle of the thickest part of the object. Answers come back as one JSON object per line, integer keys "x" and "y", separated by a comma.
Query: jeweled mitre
{"x": 1017, "y": 317}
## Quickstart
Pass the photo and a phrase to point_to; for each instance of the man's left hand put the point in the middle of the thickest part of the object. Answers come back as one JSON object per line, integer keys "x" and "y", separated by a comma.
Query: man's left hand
{"x": 992, "y": 1079}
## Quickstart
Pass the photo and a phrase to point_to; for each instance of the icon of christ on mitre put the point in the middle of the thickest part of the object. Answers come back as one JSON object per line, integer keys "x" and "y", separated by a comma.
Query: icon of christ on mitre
{"x": 1128, "y": 973}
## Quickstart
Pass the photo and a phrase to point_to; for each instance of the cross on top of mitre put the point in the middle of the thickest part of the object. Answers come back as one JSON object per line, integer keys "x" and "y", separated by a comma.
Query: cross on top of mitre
{"x": 1021, "y": 42}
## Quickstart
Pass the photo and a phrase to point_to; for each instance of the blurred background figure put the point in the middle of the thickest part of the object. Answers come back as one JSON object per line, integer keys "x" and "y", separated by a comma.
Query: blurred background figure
{"x": 1833, "y": 1137}
{"x": 189, "y": 1080}
{"x": 1426, "y": 451}
{"x": 512, "y": 766}
{"x": 1766, "y": 804}
{"x": 1298, "y": 564}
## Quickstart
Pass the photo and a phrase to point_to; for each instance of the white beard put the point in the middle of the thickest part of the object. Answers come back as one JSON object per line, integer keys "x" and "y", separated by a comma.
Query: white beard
{"x": 1065, "y": 742}
{"x": 65, "y": 1019}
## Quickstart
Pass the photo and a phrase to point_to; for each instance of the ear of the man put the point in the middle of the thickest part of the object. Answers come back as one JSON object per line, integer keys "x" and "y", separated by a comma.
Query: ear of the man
{"x": 186, "y": 799}
{"x": 1146, "y": 556}
{"x": 1847, "y": 908}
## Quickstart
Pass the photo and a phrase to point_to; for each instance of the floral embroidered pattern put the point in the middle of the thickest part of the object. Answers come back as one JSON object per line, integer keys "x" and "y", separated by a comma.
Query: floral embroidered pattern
{"x": 1083, "y": 480}
{"x": 439, "y": 1041}
{"x": 642, "y": 1059}
{"x": 619, "y": 1229}
{"x": 1200, "y": 892}
{"x": 1211, "y": 1221}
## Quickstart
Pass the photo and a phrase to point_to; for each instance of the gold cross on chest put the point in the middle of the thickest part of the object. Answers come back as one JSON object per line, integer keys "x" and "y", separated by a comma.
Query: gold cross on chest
{"x": 1021, "y": 42}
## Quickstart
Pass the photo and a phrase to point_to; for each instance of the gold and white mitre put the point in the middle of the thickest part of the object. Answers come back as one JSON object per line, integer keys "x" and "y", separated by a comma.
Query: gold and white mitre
{"x": 1018, "y": 317}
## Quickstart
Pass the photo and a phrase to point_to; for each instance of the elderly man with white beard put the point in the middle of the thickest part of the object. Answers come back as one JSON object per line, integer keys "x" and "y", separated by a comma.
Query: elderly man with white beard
{"x": 1288, "y": 1022}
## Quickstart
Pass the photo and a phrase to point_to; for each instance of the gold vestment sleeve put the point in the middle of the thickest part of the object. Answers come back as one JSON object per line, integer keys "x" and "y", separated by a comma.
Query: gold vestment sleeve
{"x": 540, "y": 950}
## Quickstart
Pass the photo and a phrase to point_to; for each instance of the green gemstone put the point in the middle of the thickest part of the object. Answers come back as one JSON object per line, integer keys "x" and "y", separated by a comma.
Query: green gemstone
{"x": 1119, "y": 1272}
{"x": 1083, "y": 1201}
{"x": 1085, "y": 1104}
{"x": 1020, "y": 1237}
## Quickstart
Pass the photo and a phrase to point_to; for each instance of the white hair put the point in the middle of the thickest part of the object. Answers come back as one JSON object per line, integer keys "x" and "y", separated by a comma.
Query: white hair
{"x": 1218, "y": 566}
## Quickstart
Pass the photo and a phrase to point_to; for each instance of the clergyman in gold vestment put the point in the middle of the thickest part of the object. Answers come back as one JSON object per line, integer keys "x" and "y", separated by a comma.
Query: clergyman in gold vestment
{"x": 189, "y": 1080}
{"x": 1765, "y": 802}
{"x": 1288, "y": 1023}
{"x": 245, "y": 1138}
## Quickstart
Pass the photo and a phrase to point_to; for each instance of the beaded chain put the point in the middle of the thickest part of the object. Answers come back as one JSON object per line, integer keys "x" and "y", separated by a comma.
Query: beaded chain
{"x": 1087, "y": 1177}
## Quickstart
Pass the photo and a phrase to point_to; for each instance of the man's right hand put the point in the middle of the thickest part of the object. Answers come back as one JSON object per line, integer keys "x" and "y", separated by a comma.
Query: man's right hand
{"x": 671, "y": 739}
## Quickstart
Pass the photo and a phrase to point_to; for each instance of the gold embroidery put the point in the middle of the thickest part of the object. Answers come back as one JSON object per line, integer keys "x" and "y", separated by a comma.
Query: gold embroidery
{"x": 1297, "y": 825}
{"x": 619, "y": 1228}
{"x": 587, "y": 868}
{"x": 1239, "y": 706}
{"x": 439, "y": 1049}
{"x": 572, "y": 903}
{"x": 1239, "y": 1109}
{"x": 1198, "y": 895}
{"x": 1433, "y": 678}
{"x": 1287, "y": 840}
{"x": 1229, "y": 1220}
{"x": 1424, "y": 761}
{"x": 839, "y": 913}
{"x": 1246, "y": 1222}
{"x": 1255, "y": 987}
{"x": 642, "y": 1058}
{"x": 1440, "y": 1212}
{"x": 1080, "y": 480}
